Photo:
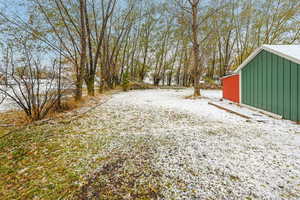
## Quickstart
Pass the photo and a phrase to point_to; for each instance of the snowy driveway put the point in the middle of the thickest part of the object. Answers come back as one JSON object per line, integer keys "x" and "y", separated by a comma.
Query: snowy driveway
{"x": 199, "y": 151}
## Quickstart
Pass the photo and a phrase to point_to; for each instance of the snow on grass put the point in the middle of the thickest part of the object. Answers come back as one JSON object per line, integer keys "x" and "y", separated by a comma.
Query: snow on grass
{"x": 156, "y": 144}
{"x": 208, "y": 152}
{"x": 175, "y": 99}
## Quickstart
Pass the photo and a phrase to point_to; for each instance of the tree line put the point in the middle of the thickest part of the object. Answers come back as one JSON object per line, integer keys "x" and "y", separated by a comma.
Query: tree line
{"x": 101, "y": 43}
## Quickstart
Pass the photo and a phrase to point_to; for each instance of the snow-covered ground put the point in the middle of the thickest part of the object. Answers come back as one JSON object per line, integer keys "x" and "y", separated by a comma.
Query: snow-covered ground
{"x": 175, "y": 100}
{"x": 6, "y": 105}
{"x": 200, "y": 151}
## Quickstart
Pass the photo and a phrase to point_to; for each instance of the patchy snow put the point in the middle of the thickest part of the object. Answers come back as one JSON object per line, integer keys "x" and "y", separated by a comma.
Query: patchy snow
{"x": 7, "y": 105}
{"x": 202, "y": 152}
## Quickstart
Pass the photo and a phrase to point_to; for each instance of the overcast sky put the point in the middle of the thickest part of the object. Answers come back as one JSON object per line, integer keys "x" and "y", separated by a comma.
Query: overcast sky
{"x": 15, "y": 7}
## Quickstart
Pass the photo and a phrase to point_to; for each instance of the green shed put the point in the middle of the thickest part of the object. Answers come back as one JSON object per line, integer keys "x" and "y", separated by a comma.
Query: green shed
{"x": 270, "y": 80}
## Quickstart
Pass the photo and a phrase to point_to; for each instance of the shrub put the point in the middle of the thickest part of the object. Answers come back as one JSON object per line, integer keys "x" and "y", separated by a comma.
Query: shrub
{"x": 140, "y": 86}
{"x": 125, "y": 81}
{"x": 35, "y": 96}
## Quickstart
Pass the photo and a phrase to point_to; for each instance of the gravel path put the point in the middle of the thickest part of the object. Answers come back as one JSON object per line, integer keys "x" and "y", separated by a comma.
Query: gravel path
{"x": 169, "y": 147}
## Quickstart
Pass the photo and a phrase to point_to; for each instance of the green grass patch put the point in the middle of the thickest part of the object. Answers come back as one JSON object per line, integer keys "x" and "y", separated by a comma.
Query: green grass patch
{"x": 47, "y": 162}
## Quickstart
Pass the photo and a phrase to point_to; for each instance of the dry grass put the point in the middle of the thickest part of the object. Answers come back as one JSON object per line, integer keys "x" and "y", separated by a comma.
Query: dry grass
{"x": 192, "y": 97}
{"x": 16, "y": 118}
{"x": 49, "y": 160}
{"x": 140, "y": 86}
{"x": 12, "y": 119}
{"x": 172, "y": 87}
{"x": 46, "y": 161}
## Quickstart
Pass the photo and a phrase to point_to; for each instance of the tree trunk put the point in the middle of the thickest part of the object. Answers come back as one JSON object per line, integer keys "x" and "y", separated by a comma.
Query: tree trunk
{"x": 90, "y": 84}
{"x": 79, "y": 83}
{"x": 90, "y": 70}
{"x": 82, "y": 64}
{"x": 196, "y": 51}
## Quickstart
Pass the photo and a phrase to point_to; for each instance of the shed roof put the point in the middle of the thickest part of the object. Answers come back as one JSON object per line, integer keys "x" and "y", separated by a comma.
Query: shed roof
{"x": 290, "y": 52}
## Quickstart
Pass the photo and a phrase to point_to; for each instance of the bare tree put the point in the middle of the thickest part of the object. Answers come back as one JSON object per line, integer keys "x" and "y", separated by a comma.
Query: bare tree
{"x": 83, "y": 48}
{"x": 102, "y": 39}
{"x": 196, "y": 50}
{"x": 33, "y": 92}
{"x": 95, "y": 38}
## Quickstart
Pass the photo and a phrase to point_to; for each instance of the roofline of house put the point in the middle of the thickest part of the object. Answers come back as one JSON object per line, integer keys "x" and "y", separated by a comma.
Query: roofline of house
{"x": 266, "y": 48}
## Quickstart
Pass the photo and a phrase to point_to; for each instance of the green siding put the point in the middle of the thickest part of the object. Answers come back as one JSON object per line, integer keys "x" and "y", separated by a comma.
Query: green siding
{"x": 269, "y": 82}
{"x": 298, "y": 85}
{"x": 255, "y": 83}
{"x": 248, "y": 95}
{"x": 294, "y": 100}
{"x": 251, "y": 86}
{"x": 287, "y": 89}
{"x": 264, "y": 81}
{"x": 260, "y": 77}
{"x": 280, "y": 86}
{"x": 243, "y": 86}
{"x": 272, "y": 83}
